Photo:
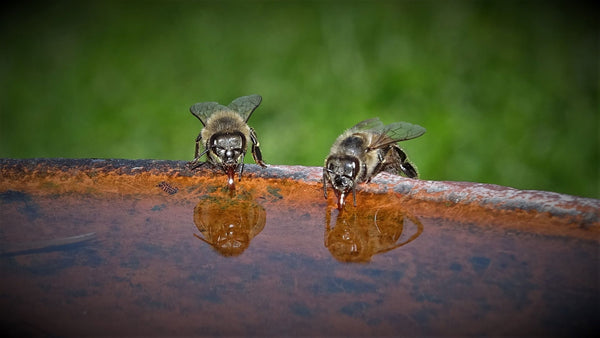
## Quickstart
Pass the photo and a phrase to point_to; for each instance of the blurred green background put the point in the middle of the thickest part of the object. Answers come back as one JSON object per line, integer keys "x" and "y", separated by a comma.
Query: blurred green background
{"x": 508, "y": 90}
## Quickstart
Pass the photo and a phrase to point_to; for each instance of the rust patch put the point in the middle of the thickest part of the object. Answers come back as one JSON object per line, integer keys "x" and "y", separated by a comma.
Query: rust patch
{"x": 300, "y": 187}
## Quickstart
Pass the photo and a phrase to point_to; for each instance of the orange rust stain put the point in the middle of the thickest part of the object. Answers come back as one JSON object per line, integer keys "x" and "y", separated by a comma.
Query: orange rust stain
{"x": 283, "y": 194}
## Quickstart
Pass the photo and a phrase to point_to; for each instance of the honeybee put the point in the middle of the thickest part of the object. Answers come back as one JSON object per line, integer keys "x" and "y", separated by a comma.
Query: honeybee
{"x": 226, "y": 134}
{"x": 365, "y": 150}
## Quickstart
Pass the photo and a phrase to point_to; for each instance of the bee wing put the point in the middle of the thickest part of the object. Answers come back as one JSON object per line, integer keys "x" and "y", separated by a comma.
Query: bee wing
{"x": 245, "y": 105}
{"x": 370, "y": 124}
{"x": 395, "y": 132}
{"x": 204, "y": 110}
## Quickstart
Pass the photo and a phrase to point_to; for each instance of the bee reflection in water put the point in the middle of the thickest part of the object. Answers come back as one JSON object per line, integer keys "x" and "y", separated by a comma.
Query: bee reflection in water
{"x": 229, "y": 221}
{"x": 359, "y": 234}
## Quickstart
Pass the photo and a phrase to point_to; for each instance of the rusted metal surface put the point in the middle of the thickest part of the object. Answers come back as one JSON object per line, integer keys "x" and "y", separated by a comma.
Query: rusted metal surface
{"x": 463, "y": 201}
{"x": 142, "y": 247}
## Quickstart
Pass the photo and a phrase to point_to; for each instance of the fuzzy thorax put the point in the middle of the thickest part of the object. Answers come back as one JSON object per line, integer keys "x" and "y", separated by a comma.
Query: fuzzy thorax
{"x": 225, "y": 122}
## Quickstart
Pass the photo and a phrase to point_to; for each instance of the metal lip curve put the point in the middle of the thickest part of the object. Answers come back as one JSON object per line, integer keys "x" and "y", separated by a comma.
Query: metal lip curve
{"x": 568, "y": 208}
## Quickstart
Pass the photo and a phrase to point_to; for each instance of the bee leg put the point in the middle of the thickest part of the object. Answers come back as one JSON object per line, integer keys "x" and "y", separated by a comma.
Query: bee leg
{"x": 256, "y": 154}
{"x": 195, "y": 163}
{"x": 198, "y": 140}
{"x": 396, "y": 161}
{"x": 354, "y": 194}
{"x": 325, "y": 183}
{"x": 378, "y": 168}
{"x": 364, "y": 177}
{"x": 242, "y": 166}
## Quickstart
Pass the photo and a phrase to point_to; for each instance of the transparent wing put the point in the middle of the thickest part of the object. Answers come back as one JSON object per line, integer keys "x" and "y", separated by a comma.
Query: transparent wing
{"x": 401, "y": 131}
{"x": 204, "y": 110}
{"x": 370, "y": 124}
{"x": 245, "y": 105}
{"x": 395, "y": 132}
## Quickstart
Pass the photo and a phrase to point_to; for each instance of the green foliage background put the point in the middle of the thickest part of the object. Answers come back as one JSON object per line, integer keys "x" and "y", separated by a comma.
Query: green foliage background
{"x": 508, "y": 90}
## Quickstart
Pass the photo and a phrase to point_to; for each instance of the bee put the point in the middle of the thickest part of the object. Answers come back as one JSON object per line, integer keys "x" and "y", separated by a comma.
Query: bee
{"x": 365, "y": 150}
{"x": 225, "y": 135}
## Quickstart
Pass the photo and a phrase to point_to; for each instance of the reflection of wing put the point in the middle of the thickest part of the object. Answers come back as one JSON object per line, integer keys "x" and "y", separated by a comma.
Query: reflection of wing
{"x": 204, "y": 110}
{"x": 245, "y": 105}
{"x": 395, "y": 132}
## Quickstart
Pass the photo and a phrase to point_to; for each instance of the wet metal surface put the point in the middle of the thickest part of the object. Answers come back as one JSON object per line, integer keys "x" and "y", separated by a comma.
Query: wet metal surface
{"x": 118, "y": 247}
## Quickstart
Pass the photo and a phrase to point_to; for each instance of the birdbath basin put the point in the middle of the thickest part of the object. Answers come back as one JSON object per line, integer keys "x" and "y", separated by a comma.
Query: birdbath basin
{"x": 146, "y": 247}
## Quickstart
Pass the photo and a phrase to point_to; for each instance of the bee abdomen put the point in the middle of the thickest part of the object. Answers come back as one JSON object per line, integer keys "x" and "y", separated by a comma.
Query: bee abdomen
{"x": 409, "y": 170}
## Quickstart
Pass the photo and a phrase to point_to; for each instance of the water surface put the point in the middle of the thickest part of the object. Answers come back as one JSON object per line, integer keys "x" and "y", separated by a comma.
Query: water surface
{"x": 205, "y": 261}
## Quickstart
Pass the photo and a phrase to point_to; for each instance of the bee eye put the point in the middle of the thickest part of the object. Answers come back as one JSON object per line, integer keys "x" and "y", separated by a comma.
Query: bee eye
{"x": 349, "y": 169}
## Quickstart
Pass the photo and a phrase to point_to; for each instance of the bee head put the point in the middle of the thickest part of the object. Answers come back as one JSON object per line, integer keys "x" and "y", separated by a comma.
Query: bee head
{"x": 227, "y": 150}
{"x": 341, "y": 172}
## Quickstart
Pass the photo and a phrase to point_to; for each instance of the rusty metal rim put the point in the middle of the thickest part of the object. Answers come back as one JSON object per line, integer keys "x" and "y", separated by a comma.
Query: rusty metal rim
{"x": 489, "y": 196}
